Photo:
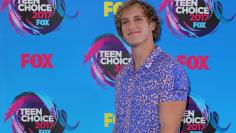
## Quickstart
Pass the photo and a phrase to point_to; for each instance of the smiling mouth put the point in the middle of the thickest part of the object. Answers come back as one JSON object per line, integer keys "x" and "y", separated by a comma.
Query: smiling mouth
{"x": 135, "y": 32}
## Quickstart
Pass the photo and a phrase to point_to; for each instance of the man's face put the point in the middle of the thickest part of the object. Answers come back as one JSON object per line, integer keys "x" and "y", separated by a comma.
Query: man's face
{"x": 136, "y": 28}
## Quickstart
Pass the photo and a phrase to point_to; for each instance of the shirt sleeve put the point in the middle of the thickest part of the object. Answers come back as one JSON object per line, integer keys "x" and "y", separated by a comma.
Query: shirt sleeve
{"x": 175, "y": 84}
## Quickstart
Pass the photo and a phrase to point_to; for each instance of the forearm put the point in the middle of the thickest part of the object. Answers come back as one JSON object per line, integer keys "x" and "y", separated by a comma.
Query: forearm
{"x": 171, "y": 115}
{"x": 169, "y": 129}
{"x": 114, "y": 128}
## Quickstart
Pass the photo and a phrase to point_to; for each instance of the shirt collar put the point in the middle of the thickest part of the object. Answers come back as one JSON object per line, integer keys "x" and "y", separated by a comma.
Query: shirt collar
{"x": 150, "y": 59}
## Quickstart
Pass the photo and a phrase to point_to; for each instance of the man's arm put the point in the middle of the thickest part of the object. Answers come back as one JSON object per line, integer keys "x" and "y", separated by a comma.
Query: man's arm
{"x": 171, "y": 114}
{"x": 114, "y": 128}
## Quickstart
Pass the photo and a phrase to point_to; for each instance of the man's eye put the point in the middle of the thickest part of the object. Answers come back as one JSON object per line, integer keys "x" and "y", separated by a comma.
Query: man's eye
{"x": 138, "y": 19}
{"x": 124, "y": 22}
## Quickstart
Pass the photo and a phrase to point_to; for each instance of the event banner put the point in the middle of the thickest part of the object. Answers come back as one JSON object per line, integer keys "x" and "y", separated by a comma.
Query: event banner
{"x": 59, "y": 60}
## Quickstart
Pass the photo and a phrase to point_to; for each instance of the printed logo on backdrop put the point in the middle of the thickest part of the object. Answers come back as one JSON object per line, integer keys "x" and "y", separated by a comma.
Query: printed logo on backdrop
{"x": 193, "y": 18}
{"x": 194, "y": 62}
{"x": 36, "y": 17}
{"x": 110, "y": 7}
{"x": 199, "y": 119}
{"x": 107, "y": 56}
{"x": 36, "y": 113}
{"x": 37, "y": 60}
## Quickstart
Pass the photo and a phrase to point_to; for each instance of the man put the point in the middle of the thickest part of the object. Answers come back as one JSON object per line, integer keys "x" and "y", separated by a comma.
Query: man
{"x": 151, "y": 91}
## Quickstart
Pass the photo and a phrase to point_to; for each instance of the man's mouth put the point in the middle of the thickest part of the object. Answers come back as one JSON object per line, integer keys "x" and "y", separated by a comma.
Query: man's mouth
{"x": 134, "y": 32}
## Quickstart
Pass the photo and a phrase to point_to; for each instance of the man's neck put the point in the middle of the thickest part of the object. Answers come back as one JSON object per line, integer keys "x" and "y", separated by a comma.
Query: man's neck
{"x": 141, "y": 53}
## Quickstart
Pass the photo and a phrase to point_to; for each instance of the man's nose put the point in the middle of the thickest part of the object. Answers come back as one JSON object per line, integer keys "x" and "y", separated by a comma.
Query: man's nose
{"x": 131, "y": 25}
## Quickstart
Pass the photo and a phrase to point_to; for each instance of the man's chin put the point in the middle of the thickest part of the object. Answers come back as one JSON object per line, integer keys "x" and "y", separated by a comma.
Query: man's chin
{"x": 134, "y": 44}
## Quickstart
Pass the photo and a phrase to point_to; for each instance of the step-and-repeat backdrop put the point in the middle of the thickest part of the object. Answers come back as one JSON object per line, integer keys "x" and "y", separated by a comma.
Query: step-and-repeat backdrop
{"x": 59, "y": 59}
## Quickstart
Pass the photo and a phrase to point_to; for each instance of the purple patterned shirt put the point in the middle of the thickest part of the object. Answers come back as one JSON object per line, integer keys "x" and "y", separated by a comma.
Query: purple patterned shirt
{"x": 139, "y": 92}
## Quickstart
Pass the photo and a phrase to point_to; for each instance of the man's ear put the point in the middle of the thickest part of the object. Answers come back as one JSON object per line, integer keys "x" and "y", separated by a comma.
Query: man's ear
{"x": 153, "y": 26}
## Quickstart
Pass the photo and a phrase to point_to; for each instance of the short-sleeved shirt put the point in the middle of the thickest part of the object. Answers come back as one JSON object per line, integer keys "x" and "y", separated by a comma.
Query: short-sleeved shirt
{"x": 138, "y": 93}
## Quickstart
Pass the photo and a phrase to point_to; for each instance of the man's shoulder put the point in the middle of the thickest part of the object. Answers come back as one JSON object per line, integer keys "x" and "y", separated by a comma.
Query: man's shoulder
{"x": 169, "y": 65}
{"x": 166, "y": 60}
{"x": 121, "y": 75}
{"x": 123, "y": 71}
